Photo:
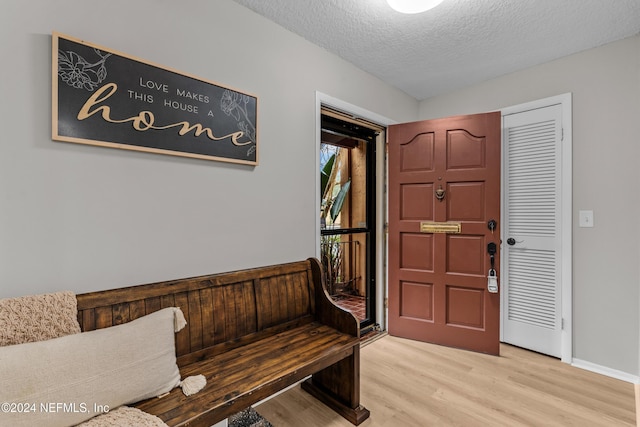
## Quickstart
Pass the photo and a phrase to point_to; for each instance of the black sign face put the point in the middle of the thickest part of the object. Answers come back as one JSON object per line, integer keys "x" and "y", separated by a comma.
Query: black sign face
{"x": 105, "y": 98}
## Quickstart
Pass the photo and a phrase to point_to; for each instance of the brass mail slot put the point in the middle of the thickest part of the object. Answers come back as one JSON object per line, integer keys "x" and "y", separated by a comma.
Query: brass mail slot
{"x": 441, "y": 227}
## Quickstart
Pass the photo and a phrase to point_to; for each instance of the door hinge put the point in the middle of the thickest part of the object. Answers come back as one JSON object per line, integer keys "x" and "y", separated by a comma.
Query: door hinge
{"x": 561, "y": 134}
{"x": 562, "y": 324}
{"x": 386, "y": 227}
{"x": 386, "y": 303}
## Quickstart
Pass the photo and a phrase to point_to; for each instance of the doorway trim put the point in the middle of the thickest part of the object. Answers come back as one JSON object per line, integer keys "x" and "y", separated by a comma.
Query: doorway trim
{"x": 566, "y": 206}
{"x": 380, "y": 245}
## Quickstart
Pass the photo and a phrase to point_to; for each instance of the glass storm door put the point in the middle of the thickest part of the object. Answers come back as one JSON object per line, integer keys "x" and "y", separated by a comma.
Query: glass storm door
{"x": 347, "y": 216}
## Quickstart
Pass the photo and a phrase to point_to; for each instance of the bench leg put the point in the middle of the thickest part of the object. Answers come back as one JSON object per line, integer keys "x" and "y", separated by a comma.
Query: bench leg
{"x": 338, "y": 387}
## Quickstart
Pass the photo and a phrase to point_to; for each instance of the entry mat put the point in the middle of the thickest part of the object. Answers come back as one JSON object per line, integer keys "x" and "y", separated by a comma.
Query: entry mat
{"x": 248, "y": 418}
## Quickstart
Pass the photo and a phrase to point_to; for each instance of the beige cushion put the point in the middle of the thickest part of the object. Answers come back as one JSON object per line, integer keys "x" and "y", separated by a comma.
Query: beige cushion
{"x": 38, "y": 317}
{"x": 67, "y": 380}
{"x": 124, "y": 416}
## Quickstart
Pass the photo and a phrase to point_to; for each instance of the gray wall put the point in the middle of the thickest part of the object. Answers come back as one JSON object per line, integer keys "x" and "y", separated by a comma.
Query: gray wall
{"x": 605, "y": 83}
{"x": 86, "y": 218}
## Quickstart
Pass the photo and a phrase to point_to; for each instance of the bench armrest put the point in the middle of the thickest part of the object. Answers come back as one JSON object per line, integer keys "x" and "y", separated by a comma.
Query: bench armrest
{"x": 327, "y": 311}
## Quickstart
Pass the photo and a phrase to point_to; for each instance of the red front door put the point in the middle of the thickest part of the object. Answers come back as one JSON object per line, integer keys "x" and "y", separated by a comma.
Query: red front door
{"x": 444, "y": 188}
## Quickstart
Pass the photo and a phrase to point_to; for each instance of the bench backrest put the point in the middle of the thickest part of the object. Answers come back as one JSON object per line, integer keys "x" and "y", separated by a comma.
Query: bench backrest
{"x": 222, "y": 310}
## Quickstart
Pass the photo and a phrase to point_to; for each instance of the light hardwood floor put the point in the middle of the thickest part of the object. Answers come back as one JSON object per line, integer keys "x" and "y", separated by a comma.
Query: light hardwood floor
{"x": 409, "y": 383}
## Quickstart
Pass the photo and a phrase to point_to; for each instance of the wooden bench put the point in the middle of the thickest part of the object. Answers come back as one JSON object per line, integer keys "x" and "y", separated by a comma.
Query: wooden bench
{"x": 251, "y": 333}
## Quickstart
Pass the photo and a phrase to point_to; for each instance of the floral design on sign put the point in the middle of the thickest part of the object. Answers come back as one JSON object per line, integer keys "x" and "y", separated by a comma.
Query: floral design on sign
{"x": 79, "y": 73}
{"x": 234, "y": 104}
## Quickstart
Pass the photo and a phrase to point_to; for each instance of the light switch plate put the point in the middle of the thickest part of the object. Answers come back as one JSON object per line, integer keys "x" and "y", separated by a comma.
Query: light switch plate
{"x": 585, "y": 218}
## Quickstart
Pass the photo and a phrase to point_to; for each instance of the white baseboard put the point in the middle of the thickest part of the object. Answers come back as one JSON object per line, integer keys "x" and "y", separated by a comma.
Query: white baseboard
{"x": 603, "y": 370}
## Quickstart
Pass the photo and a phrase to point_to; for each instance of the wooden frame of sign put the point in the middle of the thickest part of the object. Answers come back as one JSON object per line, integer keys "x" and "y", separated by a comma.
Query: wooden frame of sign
{"x": 106, "y": 98}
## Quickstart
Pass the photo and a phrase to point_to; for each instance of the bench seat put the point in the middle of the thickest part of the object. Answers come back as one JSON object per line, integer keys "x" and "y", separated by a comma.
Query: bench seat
{"x": 282, "y": 360}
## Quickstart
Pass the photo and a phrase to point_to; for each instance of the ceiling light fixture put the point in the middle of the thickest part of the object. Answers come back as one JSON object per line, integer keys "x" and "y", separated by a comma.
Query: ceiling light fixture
{"x": 413, "y": 6}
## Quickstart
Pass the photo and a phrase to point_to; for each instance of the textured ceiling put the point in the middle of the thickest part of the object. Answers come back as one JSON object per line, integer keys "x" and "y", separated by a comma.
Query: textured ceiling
{"x": 457, "y": 44}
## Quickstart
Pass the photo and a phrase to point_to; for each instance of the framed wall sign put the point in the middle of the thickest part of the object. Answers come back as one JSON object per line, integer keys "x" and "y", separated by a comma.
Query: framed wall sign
{"x": 102, "y": 97}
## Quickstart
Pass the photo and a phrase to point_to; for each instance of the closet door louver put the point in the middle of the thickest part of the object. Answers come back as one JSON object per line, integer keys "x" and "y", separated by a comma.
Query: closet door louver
{"x": 531, "y": 281}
